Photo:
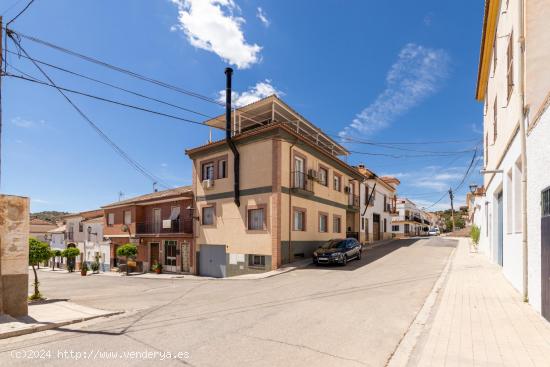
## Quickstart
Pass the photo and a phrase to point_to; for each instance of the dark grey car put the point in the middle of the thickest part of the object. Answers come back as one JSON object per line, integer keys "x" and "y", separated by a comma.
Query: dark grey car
{"x": 338, "y": 251}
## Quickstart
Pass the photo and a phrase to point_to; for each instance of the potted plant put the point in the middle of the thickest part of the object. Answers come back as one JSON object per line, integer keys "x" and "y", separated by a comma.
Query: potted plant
{"x": 157, "y": 268}
{"x": 129, "y": 251}
{"x": 95, "y": 267}
{"x": 84, "y": 269}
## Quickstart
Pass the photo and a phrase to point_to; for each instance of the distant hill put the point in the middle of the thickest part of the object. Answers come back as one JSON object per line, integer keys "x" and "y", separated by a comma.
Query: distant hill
{"x": 49, "y": 216}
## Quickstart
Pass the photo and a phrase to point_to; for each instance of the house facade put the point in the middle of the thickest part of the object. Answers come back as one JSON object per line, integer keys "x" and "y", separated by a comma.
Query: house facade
{"x": 160, "y": 224}
{"x": 289, "y": 192}
{"x": 84, "y": 231}
{"x": 410, "y": 220}
{"x": 39, "y": 228}
{"x": 514, "y": 85}
{"x": 378, "y": 199}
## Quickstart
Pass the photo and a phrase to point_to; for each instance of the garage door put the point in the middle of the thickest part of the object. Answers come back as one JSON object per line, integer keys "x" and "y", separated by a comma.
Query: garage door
{"x": 212, "y": 261}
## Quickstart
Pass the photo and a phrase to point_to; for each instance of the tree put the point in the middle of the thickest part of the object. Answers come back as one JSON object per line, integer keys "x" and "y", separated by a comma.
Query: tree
{"x": 56, "y": 254}
{"x": 129, "y": 251}
{"x": 70, "y": 253}
{"x": 38, "y": 252}
{"x": 475, "y": 232}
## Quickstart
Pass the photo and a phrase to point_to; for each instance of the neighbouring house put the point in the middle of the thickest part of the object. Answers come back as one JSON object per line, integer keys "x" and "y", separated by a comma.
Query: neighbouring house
{"x": 378, "y": 205}
{"x": 410, "y": 220}
{"x": 39, "y": 229}
{"x": 84, "y": 231}
{"x": 271, "y": 192}
{"x": 160, "y": 224}
{"x": 57, "y": 242}
{"x": 514, "y": 85}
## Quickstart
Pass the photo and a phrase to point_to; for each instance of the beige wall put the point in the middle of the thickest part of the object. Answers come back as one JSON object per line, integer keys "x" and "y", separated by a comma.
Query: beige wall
{"x": 537, "y": 46}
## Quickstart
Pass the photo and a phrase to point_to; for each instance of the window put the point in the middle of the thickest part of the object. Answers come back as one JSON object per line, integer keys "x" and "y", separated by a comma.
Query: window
{"x": 222, "y": 168}
{"x": 175, "y": 213}
{"x": 407, "y": 228}
{"x": 89, "y": 233}
{"x": 337, "y": 182}
{"x": 486, "y": 148}
{"x": 127, "y": 217}
{"x": 362, "y": 224}
{"x": 395, "y": 228}
{"x": 256, "y": 219}
{"x": 495, "y": 126}
{"x": 510, "y": 64}
{"x": 208, "y": 171}
{"x": 208, "y": 215}
{"x": 80, "y": 227}
{"x": 323, "y": 222}
{"x": 323, "y": 176}
{"x": 545, "y": 202}
{"x": 299, "y": 220}
{"x": 486, "y": 219}
{"x": 509, "y": 207}
{"x": 110, "y": 219}
{"x": 336, "y": 224}
{"x": 385, "y": 225}
{"x": 385, "y": 204}
{"x": 256, "y": 260}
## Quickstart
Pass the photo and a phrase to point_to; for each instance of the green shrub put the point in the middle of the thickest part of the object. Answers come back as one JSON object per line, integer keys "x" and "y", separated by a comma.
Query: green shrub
{"x": 475, "y": 232}
{"x": 129, "y": 251}
{"x": 95, "y": 267}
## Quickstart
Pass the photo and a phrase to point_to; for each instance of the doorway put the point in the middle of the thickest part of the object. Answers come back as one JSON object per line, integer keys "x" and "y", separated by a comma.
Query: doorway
{"x": 154, "y": 253}
{"x": 545, "y": 253}
{"x": 500, "y": 230}
{"x": 376, "y": 227}
{"x": 170, "y": 250}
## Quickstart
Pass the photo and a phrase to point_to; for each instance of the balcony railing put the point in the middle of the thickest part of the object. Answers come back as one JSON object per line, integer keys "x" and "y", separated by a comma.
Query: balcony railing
{"x": 165, "y": 226}
{"x": 353, "y": 201}
{"x": 301, "y": 181}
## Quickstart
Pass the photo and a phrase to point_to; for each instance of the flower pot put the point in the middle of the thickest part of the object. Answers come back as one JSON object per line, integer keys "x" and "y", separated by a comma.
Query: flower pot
{"x": 158, "y": 271}
{"x": 83, "y": 273}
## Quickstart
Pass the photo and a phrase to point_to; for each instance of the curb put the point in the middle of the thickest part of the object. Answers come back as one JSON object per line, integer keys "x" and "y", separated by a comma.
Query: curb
{"x": 403, "y": 351}
{"x": 44, "y": 327}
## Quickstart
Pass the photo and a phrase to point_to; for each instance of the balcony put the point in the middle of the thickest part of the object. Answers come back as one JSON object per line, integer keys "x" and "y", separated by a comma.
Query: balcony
{"x": 166, "y": 226}
{"x": 302, "y": 183}
{"x": 353, "y": 202}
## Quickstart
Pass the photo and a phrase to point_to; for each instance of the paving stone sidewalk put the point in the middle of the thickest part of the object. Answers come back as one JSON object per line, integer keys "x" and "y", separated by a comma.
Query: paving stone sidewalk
{"x": 48, "y": 315}
{"x": 480, "y": 320}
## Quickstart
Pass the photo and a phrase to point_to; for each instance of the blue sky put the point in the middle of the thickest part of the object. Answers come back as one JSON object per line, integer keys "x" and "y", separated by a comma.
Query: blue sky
{"x": 380, "y": 71}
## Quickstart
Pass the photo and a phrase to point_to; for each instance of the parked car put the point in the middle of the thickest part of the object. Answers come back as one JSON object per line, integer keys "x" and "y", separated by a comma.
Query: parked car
{"x": 434, "y": 232}
{"x": 338, "y": 251}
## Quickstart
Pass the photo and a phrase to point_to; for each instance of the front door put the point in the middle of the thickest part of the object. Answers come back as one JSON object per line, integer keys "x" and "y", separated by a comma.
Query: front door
{"x": 154, "y": 256}
{"x": 545, "y": 253}
{"x": 376, "y": 227}
{"x": 170, "y": 248}
{"x": 500, "y": 230}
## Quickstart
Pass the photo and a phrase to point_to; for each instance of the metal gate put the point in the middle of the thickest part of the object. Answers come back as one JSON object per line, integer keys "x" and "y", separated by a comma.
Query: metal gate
{"x": 212, "y": 261}
{"x": 545, "y": 252}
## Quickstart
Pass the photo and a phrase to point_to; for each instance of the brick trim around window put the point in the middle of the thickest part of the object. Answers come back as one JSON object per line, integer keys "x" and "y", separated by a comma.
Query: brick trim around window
{"x": 252, "y": 207}
{"x": 325, "y": 214}
{"x": 302, "y": 210}
{"x": 208, "y": 205}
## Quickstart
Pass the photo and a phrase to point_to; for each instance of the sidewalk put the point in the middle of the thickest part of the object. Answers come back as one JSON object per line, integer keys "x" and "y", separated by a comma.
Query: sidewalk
{"x": 46, "y": 315}
{"x": 480, "y": 320}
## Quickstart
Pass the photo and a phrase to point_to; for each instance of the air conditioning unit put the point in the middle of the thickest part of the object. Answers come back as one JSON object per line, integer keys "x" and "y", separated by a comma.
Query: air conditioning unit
{"x": 312, "y": 174}
{"x": 208, "y": 184}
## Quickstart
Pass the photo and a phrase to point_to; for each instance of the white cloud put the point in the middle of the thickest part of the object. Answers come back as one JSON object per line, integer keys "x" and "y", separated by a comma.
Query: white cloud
{"x": 477, "y": 129}
{"x": 262, "y": 16}
{"x": 164, "y": 164}
{"x": 40, "y": 201}
{"x": 212, "y": 26}
{"x": 25, "y": 123}
{"x": 415, "y": 75}
{"x": 260, "y": 90}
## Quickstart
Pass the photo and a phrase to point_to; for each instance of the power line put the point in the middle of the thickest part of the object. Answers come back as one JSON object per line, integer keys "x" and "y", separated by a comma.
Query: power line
{"x": 10, "y": 7}
{"x": 20, "y": 13}
{"x": 110, "y": 85}
{"x": 115, "y": 147}
{"x": 118, "y": 68}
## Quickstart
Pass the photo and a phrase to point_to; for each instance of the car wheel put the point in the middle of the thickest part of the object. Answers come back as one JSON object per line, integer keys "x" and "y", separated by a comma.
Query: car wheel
{"x": 359, "y": 255}
{"x": 344, "y": 260}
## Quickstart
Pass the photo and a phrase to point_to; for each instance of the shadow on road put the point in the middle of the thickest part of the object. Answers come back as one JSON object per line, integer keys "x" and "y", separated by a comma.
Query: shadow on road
{"x": 368, "y": 256}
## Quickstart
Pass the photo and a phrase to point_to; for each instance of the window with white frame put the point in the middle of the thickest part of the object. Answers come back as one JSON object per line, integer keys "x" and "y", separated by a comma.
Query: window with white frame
{"x": 336, "y": 224}
{"x": 208, "y": 215}
{"x": 337, "y": 182}
{"x": 517, "y": 197}
{"x": 256, "y": 219}
{"x": 299, "y": 220}
{"x": 110, "y": 219}
{"x": 208, "y": 171}
{"x": 323, "y": 176}
{"x": 323, "y": 222}
{"x": 127, "y": 217}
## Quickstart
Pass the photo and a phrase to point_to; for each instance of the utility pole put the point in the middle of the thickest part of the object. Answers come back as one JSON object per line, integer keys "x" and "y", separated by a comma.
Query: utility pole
{"x": 451, "y": 195}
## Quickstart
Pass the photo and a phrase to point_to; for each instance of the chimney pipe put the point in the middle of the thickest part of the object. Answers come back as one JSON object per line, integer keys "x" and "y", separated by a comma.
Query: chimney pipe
{"x": 236, "y": 157}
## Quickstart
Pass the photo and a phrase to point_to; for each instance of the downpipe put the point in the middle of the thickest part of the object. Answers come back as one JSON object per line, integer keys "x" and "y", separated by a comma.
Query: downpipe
{"x": 523, "y": 144}
{"x": 229, "y": 140}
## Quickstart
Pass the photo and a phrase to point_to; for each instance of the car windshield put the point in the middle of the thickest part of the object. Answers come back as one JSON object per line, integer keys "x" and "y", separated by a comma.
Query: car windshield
{"x": 334, "y": 244}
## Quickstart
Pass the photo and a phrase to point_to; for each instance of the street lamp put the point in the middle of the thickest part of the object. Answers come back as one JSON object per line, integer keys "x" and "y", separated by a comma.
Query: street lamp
{"x": 191, "y": 212}
{"x": 473, "y": 188}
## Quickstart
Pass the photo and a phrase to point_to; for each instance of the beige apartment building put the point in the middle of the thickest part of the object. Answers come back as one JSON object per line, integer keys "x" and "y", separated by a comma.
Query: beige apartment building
{"x": 514, "y": 85}
{"x": 289, "y": 193}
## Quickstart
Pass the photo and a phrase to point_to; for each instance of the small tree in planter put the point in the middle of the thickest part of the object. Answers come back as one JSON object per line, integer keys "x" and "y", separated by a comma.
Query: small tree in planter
{"x": 56, "y": 255}
{"x": 95, "y": 267}
{"x": 70, "y": 253}
{"x": 84, "y": 269}
{"x": 475, "y": 232}
{"x": 157, "y": 268}
{"x": 129, "y": 251}
{"x": 38, "y": 251}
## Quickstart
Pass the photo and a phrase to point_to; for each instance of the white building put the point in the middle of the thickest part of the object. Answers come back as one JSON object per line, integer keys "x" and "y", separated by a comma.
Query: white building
{"x": 514, "y": 84}
{"x": 377, "y": 205}
{"x": 410, "y": 220}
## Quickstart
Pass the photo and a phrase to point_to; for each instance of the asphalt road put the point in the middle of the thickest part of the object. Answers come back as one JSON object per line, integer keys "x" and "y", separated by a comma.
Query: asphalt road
{"x": 322, "y": 316}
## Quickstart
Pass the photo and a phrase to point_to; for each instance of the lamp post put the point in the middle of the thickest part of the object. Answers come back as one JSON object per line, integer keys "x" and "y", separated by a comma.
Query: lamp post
{"x": 473, "y": 188}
